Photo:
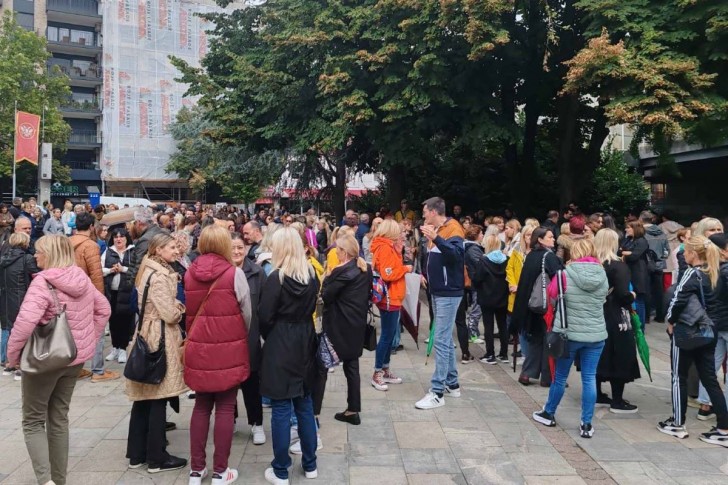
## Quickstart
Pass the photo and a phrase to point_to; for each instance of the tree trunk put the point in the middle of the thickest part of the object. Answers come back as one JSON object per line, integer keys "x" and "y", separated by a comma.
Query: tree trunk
{"x": 397, "y": 187}
{"x": 339, "y": 193}
{"x": 568, "y": 128}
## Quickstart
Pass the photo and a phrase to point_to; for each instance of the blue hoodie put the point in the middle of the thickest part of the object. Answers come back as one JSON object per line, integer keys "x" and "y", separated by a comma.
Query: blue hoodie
{"x": 446, "y": 261}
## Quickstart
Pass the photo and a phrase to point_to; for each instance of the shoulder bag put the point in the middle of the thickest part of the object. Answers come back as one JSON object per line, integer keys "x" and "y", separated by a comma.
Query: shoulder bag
{"x": 199, "y": 312}
{"x": 50, "y": 346}
{"x": 143, "y": 365}
{"x": 326, "y": 353}
{"x": 694, "y": 328}
{"x": 370, "y": 333}
{"x": 557, "y": 343}
{"x": 537, "y": 300}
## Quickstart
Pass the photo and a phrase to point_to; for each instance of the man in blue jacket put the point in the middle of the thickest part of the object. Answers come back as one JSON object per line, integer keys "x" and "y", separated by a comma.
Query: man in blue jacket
{"x": 446, "y": 279}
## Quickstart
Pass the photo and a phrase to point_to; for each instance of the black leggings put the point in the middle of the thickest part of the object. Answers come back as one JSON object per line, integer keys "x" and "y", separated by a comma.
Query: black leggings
{"x": 121, "y": 325}
{"x": 499, "y": 315}
{"x": 461, "y": 325}
{"x": 252, "y": 399}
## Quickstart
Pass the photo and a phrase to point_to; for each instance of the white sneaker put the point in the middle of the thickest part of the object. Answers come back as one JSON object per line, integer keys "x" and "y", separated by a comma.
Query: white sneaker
{"x": 18, "y": 375}
{"x": 122, "y": 357}
{"x": 270, "y": 477}
{"x": 452, "y": 392}
{"x": 225, "y": 478}
{"x": 258, "y": 435}
{"x": 295, "y": 448}
{"x": 197, "y": 477}
{"x": 311, "y": 474}
{"x": 113, "y": 355}
{"x": 430, "y": 401}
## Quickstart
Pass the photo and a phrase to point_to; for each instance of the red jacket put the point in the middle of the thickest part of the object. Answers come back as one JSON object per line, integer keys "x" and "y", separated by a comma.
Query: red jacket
{"x": 216, "y": 352}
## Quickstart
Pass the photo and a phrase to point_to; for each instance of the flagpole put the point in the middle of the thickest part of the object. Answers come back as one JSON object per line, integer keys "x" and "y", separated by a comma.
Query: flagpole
{"x": 15, "y": 146}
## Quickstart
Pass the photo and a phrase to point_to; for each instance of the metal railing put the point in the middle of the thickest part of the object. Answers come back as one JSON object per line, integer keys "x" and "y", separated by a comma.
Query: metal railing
{"x": 81, "y": 165}
{"x": 85, "y": 137}
{"x": 83, "y": 7}
{"x": 91, "y": 73}
{"x": 81, "y": 42}
{"x": 80, "y": 105}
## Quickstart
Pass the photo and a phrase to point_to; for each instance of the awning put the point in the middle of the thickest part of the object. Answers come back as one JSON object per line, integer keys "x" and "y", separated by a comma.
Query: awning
{"x": 264, "y": 200}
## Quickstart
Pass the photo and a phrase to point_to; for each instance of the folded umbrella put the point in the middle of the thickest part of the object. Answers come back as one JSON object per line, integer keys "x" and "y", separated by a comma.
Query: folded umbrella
{"x": 410, "y": 314}
{"x": 643, "y": 350}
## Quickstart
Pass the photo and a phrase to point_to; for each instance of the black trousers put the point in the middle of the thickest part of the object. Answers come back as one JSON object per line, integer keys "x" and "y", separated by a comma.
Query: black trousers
{"x": 499, "y": 315}
{"x": 319, "y": 387}
{"x": 461, "y": 325}
{"x": 656, "y": 297}
{"x": 704, "y": 359}
{"x": 147, "y": 436}
{"x": 353, "y": 387}
{"x": 121, "y": 325}
{"x": 252, "y": 399}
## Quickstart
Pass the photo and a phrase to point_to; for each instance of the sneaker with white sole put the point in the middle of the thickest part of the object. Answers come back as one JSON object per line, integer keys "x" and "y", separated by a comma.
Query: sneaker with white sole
{"x": 18, "y": 376}
{"x": 430, "y": 401}
{"x": 452, "y": 391}
{"x": 547, "y": 419}
{"x": 488, "y": 359}
{"x": 378, "y": 381}
{"x": 113, "y": 355}
{"x": 197, "y": 477}
{"x": 668, "y": 426}
{"x": 705, "y": 415}
{"x": 270, "y": 477}
{"x": 8, "y": 371}
{"x": 389, "y": 378}
{"x": 122, "y": 357}
{"x": 586, "y": 430}
{"x": 715, "y": 437}
{"x": 295, "y": 448}
{"x": 225, "y": 478}
{"x": 311, "y": 474}
{"x": 258, "y": 435}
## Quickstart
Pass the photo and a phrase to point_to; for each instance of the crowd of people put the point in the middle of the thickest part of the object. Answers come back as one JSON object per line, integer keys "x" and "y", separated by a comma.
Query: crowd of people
{"x": 232, "y": 301}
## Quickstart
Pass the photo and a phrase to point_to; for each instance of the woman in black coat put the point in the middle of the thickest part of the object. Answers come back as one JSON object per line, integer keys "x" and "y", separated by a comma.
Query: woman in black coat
{"x": 618, "y": 362}
{"x": 523, "y": 320}
{"x": 345, "y": 293}
{"x": 16, "y": 268}
{"x": 634, "y": 253}
{"x": 288, "y": 367}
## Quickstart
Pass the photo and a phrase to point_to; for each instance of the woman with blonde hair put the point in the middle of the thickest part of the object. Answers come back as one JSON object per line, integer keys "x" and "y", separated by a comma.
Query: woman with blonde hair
{"x": 68, "y": 218}
{"x": 512, "y": 236}
{"x": 700, "y": 281}
{"x": 585, "y": 289}
{"x": 161, "y": 312}
{"x": 289, "y": 367}
{"x": 216, "y": 351}
{"x": 387, "y": 248}
{"x": 366, "y": 243}
{"x": 513, "y": 275}
{"x": 332, "y": 260}
{"x": 491, "y": 286}
{"x": 618, "y": 362}
{"x": 531, "y": 221}
{"x": 46, "y": 396}
{"x": 345, "y": 293}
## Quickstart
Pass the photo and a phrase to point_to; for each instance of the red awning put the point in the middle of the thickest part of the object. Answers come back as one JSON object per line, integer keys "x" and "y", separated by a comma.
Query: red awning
{"x": 264, "y": 200}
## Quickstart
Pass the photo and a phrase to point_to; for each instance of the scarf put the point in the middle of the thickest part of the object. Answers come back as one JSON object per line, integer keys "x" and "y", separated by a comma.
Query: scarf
{"x": 162, "y": 262}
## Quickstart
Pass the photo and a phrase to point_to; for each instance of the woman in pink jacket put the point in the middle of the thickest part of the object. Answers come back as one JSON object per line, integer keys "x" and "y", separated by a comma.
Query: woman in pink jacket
{"x": 46, "y": 396}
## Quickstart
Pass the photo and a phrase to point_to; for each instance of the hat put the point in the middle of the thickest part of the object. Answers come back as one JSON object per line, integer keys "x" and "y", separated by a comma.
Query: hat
{"x": 576, "y": 225}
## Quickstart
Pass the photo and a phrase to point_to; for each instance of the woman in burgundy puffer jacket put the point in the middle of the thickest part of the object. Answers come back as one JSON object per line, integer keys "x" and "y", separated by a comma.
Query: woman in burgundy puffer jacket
{"x": 216, "y": 351}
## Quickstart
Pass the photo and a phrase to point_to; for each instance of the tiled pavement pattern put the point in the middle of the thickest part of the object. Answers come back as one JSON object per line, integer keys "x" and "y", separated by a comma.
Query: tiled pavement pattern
{"x": 484, "y": 437}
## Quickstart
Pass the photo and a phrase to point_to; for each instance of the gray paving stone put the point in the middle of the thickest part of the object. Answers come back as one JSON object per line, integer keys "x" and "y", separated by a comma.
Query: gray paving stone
{"x": 429, "y": 461}
{"x": 385, "y": 454}
{"x": 380, "y": 475}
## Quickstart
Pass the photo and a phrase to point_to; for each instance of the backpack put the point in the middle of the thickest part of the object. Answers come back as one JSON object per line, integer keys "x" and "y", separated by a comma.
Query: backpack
{"x": 380, "y": 292}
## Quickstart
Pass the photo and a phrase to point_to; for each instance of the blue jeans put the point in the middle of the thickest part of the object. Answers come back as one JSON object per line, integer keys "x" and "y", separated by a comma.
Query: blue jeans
{"x": 397, "y": 335}
{"x": 294, "y": 420}
{"x": 446, "y": 372}
{"x": 721, "y": 348}
{"x": 280, "y": 425}
{"x": 97, "y": 363}
{"x": 4, "y": 346}
{"x": 589, "y": 354}
{"x": 390, "y": 322}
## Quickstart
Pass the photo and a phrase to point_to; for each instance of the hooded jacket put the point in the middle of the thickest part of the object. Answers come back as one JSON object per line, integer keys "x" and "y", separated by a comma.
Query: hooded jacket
{"x": 288, "y": 367}
{"x": 16, "y": 269}
{"x": 585, "y": 290}
{"x": 473, "y": 254}
{"x": 387, "y": 261}
{"x": 445, "y": 260}
{"x": 345, "y": 293}
{"x": 670, "y": 229}
{"x": 637, "y": 262}
{"x": 87, "y": 311}
{"x": 490, "y": 281}
{"x": 513, "y": 275}
{"x": 657, "y": 242}
{"x": 690, "y": 284}
{"x": 255, "y": 275}
{"x": 88, "y": 258}
{"x": 216, "y": 352}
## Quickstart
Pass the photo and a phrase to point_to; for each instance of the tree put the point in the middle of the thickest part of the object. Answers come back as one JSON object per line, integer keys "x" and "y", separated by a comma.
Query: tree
{"x": 25, "y": 81}
{"x": 204, "y": 162}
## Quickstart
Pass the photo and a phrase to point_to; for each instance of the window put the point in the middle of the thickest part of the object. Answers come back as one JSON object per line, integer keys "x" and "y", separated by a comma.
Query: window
{"x": 658, "y": 193}
{"x": 64, "y": 35}
{"x": 53, "y": 34}
{"x": 24, "y": 20}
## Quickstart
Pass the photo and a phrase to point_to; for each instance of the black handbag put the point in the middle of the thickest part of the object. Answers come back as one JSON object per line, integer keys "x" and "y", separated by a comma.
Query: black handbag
{"x": 370, "y": 334}
{"x": 694, "y": 328}
{"x": 557, "y": 343}
{"x": 143, "y": 365}
{"x": 537, "y": 300}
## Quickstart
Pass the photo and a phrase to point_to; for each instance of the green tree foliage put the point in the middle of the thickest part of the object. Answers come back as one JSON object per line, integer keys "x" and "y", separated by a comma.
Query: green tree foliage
{"x": 25, "y": 79}
{"x": 204, "y": 162}
{"x": 616, "y": 187}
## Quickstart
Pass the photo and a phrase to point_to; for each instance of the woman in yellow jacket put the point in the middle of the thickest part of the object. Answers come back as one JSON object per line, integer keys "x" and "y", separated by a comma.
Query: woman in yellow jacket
{"x": 332, "y": 260}
{"x": 513, "y": 273}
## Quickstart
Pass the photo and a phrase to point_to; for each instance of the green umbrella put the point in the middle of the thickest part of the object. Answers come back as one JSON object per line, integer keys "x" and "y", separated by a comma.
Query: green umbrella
{"x": 430, "y": 342}
{"x": 642, "y": 348}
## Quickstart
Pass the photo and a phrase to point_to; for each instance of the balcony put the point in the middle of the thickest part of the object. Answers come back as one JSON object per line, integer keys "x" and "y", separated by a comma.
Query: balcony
{"x": 80, "y": 165}
{"x": 73, "y": 42}
{"x": 81, "y": 106}
{"x": 75, "y": 12}
{"x": 84, "y": 139}
{"x": 87, "y": 76}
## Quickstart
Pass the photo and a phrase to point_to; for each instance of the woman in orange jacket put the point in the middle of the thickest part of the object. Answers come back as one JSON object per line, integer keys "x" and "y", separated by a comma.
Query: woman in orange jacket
{"x": 386, "y": 250}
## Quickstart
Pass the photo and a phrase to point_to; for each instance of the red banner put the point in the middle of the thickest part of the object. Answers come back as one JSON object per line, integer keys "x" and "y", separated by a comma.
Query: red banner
{"x": 27, "y": 128}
